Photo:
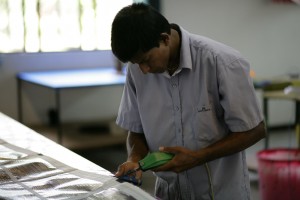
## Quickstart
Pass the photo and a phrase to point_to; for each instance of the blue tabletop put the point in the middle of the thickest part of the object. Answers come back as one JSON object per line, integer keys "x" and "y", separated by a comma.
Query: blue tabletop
{"x": 73, "y": 78}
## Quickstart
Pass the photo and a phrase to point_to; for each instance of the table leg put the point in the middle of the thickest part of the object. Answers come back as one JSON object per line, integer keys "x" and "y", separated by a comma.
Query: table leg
{"x": 58, "y": 110}
{"x": 265, "y": 108}
{"x": 19, "y": 99}
{"x": 297, "y": 121}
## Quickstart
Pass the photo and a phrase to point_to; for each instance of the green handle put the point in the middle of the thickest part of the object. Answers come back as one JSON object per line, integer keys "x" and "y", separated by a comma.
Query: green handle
{"x": 155, "y": 159}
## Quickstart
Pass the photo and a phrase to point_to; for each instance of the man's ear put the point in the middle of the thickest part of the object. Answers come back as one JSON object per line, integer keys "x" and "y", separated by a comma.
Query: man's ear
{"x": 165, "y": 38}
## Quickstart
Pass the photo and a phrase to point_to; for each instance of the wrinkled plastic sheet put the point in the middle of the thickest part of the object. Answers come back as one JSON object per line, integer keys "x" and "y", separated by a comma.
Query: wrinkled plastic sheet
{"x": 29, "y": 175}
{"x": 56, "y": 173}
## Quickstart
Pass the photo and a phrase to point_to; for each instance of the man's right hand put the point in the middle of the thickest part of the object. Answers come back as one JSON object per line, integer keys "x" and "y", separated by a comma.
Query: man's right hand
{"x": 126, "y": 166}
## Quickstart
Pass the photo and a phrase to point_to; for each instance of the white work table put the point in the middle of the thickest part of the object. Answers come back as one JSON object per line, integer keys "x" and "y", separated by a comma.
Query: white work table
{"x": 34, "y": 167}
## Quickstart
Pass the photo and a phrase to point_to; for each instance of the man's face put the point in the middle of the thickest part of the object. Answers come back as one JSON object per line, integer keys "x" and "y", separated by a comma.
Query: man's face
{"x": 155, "y": 60}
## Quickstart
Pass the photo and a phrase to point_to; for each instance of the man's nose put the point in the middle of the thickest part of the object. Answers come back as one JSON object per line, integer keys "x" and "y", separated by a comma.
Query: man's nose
{"x": 145, "y": 68}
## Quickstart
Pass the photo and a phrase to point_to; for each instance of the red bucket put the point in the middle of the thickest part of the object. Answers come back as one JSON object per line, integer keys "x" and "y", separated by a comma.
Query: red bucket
{"x": 279, "y": 174}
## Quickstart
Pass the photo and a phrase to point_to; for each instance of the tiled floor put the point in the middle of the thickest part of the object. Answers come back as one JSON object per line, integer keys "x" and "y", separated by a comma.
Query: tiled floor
{"x": 110, "y": 156}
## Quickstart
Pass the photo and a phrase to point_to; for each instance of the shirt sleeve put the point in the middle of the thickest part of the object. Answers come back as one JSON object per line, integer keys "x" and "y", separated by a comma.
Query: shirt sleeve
{"x": 128, "y": 114}
{"x": 238, "y": 97}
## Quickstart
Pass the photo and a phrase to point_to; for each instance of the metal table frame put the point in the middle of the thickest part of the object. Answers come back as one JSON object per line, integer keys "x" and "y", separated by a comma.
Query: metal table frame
{"x": 281, "y": 95}
{"x": 58, "y": 80}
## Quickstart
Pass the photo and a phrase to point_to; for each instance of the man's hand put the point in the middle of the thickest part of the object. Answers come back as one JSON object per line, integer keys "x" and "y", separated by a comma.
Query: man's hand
{"x": 184, "y": 159}
{"x": 126, "y": 166}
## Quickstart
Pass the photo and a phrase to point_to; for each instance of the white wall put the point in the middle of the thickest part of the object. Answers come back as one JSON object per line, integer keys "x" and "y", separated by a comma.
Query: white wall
{"x": 265, "y": 32}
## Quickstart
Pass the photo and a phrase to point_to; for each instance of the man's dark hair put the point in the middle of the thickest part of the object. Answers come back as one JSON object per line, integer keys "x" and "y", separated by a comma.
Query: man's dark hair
{"x": 137, "y": 28}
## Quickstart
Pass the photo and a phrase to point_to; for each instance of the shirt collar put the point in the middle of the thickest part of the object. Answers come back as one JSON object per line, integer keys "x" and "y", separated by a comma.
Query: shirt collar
{"x": 185, "y": 52}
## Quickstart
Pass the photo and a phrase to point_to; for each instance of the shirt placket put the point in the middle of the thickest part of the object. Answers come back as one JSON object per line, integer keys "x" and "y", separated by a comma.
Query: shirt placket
{"x": 177, "y": 110}
{"x": 182, "y": 177}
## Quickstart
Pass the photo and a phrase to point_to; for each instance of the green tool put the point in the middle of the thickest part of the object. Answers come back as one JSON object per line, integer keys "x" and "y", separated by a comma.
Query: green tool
{"x": 152, "y": 160}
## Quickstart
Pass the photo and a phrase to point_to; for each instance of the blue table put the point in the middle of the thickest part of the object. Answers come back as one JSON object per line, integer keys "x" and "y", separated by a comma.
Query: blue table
{"x": 58, "y": 80}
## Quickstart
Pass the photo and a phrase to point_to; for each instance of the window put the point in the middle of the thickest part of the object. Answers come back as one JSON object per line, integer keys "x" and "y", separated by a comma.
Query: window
{"x": 56, "y": 25}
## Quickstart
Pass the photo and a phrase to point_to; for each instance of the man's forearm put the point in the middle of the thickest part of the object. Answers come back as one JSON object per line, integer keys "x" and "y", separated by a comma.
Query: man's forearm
{"x": 234, "y": 143}
{"x": 137, "y": 147}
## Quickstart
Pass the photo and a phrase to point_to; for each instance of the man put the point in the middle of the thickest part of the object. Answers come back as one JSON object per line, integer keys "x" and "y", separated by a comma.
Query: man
{"x": 190, "y": 96}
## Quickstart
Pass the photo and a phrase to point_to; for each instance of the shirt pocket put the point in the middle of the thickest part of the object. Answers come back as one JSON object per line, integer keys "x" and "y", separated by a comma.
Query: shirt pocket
{"x": 206, "y": 123}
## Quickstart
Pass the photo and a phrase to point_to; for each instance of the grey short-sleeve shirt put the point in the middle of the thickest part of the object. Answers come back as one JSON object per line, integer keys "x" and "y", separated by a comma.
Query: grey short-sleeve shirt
{"x": 207, "y": 98}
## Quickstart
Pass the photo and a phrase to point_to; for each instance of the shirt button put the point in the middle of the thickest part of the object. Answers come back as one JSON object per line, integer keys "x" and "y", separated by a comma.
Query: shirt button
{"x": 174, "y": 85}
{"x": 177, "y": 108}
